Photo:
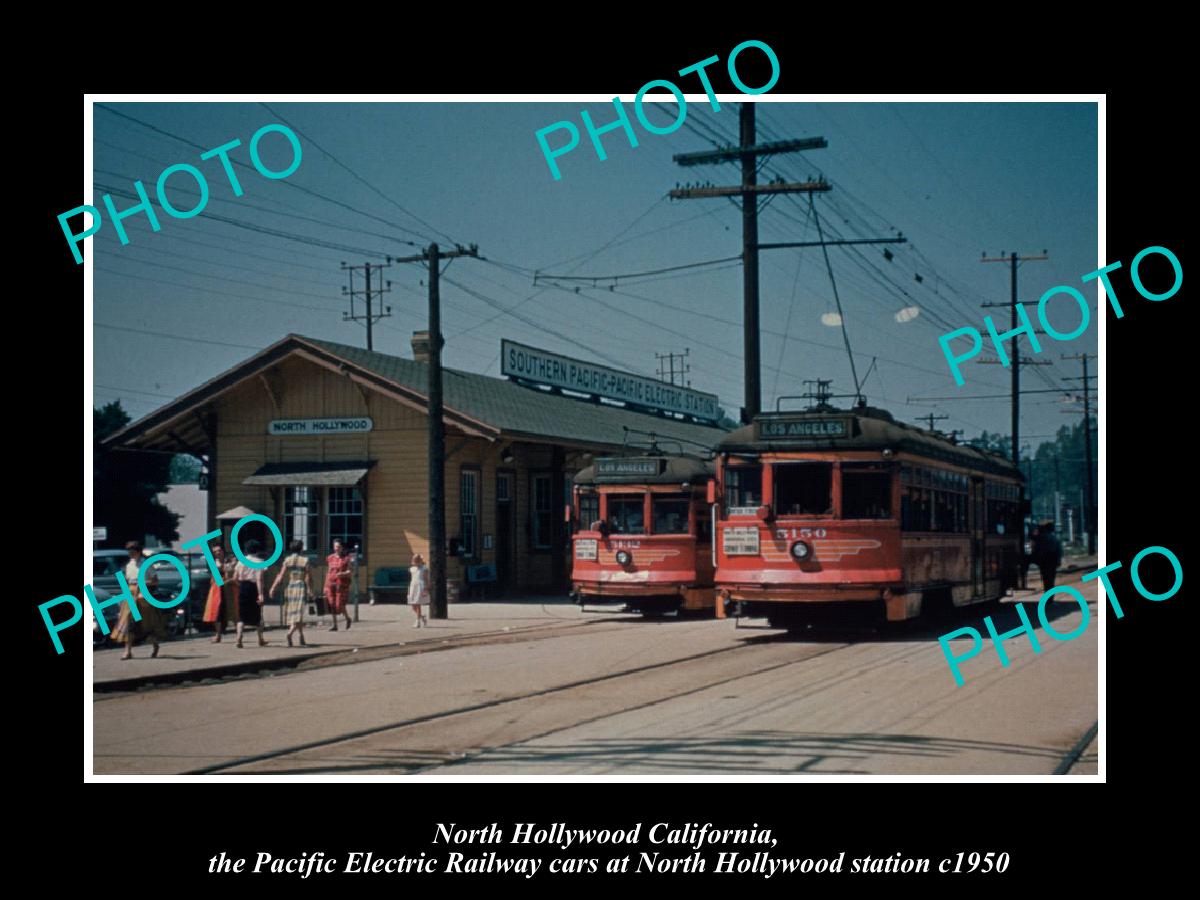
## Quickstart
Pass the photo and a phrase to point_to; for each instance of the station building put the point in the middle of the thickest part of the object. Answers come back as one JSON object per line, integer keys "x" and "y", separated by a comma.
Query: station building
{"x": 331, "y": 441}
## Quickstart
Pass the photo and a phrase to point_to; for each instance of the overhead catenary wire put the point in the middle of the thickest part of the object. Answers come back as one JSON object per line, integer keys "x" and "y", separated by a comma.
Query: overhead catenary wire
{"x": 359, "y": 178}
{"x": 287, "y": 182}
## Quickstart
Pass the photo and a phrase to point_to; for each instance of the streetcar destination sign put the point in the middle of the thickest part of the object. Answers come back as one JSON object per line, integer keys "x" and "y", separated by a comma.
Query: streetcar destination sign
{"x": 544, "y": 367}
{"x": 631, "y": 466}
{"x": 802, "y": 429}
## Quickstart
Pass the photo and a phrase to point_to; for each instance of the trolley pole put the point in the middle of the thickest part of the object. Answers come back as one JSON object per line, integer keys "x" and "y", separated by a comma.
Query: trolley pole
{"x": 1012, "y": 259}
{"x": 437, "y": 448}
{"x": 1090, "y": 505}
{"x": 433, "y": 256}
{"x": 749, "y": 191}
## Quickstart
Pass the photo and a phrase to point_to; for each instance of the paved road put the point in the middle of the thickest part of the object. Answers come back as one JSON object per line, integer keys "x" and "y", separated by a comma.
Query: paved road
{"x": 630, "y": 697}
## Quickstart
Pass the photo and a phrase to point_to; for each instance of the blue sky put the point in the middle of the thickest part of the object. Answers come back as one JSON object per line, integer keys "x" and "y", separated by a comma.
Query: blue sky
{"x": 955, "y": 179}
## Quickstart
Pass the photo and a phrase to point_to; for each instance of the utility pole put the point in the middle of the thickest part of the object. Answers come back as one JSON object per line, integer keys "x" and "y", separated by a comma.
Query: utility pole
{"x": 748, "y": 153}
{"x": 667, "y": 373}
{"x": 931, "y": 419}
{"x": 370, "y": 318}
{"x": 1012, "y": 260}
{"x": 437, "y": 429}
{"x": 1087, "y": 447}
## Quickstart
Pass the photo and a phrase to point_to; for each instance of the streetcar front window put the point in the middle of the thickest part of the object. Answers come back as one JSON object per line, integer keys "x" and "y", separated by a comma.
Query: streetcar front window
{"x": 625, "y": 514}
{"x": 670, "y": 513}
{"x": 589, "y": 509}
{"x": 743, "y": 487}
{"x": 803, "y": 489}
{"x": 866, "y": 492}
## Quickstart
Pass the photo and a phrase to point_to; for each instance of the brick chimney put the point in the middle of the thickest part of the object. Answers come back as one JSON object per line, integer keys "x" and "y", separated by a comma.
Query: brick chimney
{"x": 421, "y": 346}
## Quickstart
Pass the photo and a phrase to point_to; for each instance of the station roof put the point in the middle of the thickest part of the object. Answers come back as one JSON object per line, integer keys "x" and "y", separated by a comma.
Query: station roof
{"x": 493, "y": 408}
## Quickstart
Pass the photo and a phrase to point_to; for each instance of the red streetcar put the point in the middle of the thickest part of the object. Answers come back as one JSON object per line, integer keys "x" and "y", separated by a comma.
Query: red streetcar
{"x": 827, "y": 515}
{"x": 644, "y": 534}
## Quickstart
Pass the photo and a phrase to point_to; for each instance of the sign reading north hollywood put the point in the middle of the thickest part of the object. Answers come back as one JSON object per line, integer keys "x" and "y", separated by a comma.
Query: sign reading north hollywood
{"x": 544, "y": 367}
{"x": 292, "y": 427}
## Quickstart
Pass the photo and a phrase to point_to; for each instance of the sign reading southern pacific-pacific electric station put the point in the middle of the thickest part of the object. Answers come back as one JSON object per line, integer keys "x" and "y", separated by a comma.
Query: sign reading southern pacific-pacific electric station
{"x": 543, "y": 367}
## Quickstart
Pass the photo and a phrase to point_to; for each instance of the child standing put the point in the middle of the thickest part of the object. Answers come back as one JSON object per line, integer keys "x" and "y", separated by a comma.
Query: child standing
{"x": 418, "y": 588}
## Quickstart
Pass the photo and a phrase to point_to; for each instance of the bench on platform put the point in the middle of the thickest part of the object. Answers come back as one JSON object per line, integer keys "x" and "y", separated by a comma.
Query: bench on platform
{"x": 479, "y": 577}
{"x": 390, "y": 584}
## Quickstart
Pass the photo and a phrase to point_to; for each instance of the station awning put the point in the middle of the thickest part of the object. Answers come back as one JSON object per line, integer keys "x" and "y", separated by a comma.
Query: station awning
{"x": 331, "y": 474}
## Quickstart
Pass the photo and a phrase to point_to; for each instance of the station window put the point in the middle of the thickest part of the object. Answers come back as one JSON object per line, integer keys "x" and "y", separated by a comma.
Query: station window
{"x": 301, "y": 516}
{"x": 468, "y": 511}
{"x": 743, "y": 486}
{"x": 803, "y": 489}
{"x": 625, "y": 514}
{"x": 589, "y": 508}
{"x": 542, "y": 533}
{"x": 345, "y": 516}
{"x": 670, "y": 513}
{"x": 866, "y": 491}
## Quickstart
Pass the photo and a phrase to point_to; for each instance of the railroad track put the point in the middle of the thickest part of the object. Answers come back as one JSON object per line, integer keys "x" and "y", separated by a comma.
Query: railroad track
{"x": 561, "y": 692}
{"x": 108, "y": 690}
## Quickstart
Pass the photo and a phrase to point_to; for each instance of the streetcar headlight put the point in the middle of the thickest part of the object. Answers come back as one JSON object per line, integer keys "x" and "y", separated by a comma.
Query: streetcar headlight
{"x": 623, "y": 557}
{"x": 801, "y": 551}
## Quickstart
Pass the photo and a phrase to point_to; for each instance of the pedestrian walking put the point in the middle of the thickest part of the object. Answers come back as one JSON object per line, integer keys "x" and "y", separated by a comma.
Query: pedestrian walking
{"x": 297, "y": 590}
{"x": 1027, "y": 557}
{"x": 337, "y": 583}
{"x": 1047, "y": 554}
{"x": 220, "y": 607}
{"x": 151, "y": 625}
{"x": 418, "y": 588}
{"x": 250, "y": 594}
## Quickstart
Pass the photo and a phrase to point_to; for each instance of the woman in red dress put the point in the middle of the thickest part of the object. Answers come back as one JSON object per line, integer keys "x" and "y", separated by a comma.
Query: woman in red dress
{"x": 219, "y": 607}
{"x": 337, "y": 583}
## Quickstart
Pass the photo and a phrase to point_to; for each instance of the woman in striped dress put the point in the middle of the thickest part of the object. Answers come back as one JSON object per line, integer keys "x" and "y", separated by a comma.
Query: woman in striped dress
{"x": 297, "y": 590}
{"x": 151, "y": 624}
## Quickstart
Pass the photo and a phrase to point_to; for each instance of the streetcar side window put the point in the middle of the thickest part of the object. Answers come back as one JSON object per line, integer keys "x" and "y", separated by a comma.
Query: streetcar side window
{"x": 932, "y": 500}
{"x": 589, "y": 509}
{"x": 625, "y": 514}
{"x": 803, "y": 489}
{"x": 743, "y": 486}
{"x": 866, "y": 492}
{"x": 670, "y": 513}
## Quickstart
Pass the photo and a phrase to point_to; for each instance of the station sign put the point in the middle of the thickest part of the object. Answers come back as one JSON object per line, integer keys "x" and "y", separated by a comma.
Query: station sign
{"x": 806, "y": 429}
{"x": 294, "y": 427}
{"x": 543, "y": 367}
{"x": 630, "y": 466}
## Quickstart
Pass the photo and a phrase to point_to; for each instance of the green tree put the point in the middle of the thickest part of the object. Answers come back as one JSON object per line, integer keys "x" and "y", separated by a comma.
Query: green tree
{"x": 126, "y": 483}
{"x": 185, "y": 469}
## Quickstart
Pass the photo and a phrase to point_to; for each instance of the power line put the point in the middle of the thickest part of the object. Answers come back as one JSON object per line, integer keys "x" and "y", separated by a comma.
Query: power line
{"x": 261, "y": 229}
{"x": 287, "y": 183}
{"x": 178, "y": 337}
{"x": 358, "y": 177}
{"x": 631, "y": 275}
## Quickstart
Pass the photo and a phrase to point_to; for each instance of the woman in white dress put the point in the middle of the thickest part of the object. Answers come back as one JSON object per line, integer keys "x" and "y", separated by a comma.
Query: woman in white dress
{"x": 418, "y": 588}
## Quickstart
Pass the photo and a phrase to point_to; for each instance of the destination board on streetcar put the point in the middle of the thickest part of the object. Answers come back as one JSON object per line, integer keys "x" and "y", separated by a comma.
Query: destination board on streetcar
{"x": 630, "y": 466}
{"x": 781, "y": 429}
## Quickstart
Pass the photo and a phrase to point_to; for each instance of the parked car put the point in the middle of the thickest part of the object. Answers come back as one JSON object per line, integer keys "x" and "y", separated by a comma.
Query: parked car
{"x": 107, "y": 563}
{"x": 105, "y": 566}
